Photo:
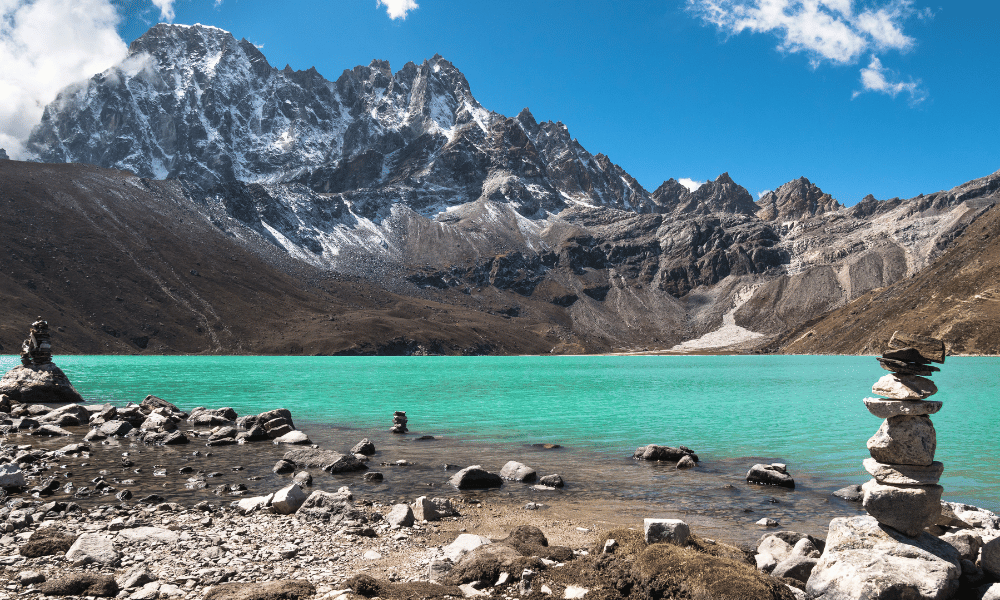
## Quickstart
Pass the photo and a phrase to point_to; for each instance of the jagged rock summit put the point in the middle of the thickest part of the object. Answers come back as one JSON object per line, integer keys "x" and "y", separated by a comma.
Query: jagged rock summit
{"x": 38, "y": 380}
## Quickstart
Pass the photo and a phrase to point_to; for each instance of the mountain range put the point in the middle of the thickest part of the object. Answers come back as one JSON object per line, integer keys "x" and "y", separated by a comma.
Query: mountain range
{"x": 219, "y": 204}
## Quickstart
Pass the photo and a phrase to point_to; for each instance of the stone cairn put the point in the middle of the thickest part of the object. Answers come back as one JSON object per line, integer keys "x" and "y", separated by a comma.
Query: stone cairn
{"x": 399, "y": 422}
{"x": 37, "y": 349}
{"x": 904, "y": 493}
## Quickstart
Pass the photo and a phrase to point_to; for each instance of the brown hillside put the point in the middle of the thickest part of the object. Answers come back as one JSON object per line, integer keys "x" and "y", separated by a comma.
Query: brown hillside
{"x": 122, "y": 265}
{"x": 956, "y": 298}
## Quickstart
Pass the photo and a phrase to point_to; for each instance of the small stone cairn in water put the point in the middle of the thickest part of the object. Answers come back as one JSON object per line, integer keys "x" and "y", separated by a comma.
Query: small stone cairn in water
{"x": 37, "y": 349}
{"x": 399, "y": 422}
{"x": 37, "y": 379}
{"x": 904, "y": 493}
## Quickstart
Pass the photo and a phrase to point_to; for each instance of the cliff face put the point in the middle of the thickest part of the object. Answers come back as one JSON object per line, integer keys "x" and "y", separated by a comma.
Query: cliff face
{"x": 403, "y": 184}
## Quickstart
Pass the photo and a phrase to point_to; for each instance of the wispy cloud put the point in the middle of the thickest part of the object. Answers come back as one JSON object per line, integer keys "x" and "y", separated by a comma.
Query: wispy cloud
{"x": 835, "y": 31}
{"x": 690, "y": 184}
{"x": 397, "y": 9}
{"x": 167, "y": 9}
{"x": 876, "y": 78}
{"x": 46, "y": 45}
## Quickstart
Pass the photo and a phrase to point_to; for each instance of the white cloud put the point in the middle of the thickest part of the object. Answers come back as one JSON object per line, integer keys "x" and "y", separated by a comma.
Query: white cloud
{"x": 397, "y": 9}
{"x": 875, "y": 78}
{"x": 690, "y": 184}
{"x": 762, "y": 194}
{"x": 46, "y": 45}
{"x": 167, "y": 9}
{"x": 824, "y": 30}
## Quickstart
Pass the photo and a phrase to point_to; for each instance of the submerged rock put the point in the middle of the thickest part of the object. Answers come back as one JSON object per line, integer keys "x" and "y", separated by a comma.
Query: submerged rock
{"x": 770, "y": 475}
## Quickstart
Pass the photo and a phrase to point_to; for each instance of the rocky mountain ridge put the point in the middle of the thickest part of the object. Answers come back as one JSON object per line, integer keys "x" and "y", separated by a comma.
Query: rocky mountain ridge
{"x": 404, "y": 181}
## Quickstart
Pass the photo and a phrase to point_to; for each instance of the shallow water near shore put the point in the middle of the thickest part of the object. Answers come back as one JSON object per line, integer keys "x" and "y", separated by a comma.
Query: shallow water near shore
{"x": 805, "y": 411}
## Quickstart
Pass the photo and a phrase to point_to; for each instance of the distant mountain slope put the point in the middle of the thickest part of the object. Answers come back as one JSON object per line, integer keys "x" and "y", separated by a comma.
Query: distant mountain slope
{"x": 956, "y": 298}
{"x": 401, "y": 185}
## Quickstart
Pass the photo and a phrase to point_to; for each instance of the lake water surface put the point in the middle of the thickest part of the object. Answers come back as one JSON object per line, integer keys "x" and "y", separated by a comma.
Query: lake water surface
{"x": 805, "y": 411}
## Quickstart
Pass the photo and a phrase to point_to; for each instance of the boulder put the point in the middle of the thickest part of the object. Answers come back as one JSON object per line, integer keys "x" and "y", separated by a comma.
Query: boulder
{"x": 288, "y": 499}
{"x": 44, "y": 383}
{"x": 400, "y": 516}
{"x": 515, "y": 471}
{"x": 115, "y": 428}
{"x": 303, "y": 478}
{"x": 93, "y": 547}
{"x": 904, "y": 474}
{"x": 365, "y": 447}
{"x": 425, "y": 510}
{"x": 248, "y": 505}
{"x": 795, "y": 567}
{"x": 151, "y": 403}
{"x": 49, "y": 430}
{"x": 331, "y": 462}
{"x": 444, "y": 507}
{"x": 663, "y": 453}
{"x": 77, "y": 414}
{"x": 883, "y": 408}
{"x": 475, "y": 478}
{"x": 283, "y": 466}
{"x": 863, "y": 560}
{"x": 293, "y": 438}
{"x": 990, "y": 560}
{"x": 851, "y": 493}
{"x": 915, "y": 348}
{"x": 158, "y": 422}
{"x": 552, "y": 481}
{"x": 333, "y": 507}
{"x": 896, "y": 386}
{"x": 775, "y": 547}
{"x": 907, "y": 509}
{"x": 673, "y": 531}
{"x": 11, "y": 477}
{"x": 686, "y": 462}
{"x": 904, "y": 440}
{"x": 770, "y": 475}
{"x": 967, "y": 543}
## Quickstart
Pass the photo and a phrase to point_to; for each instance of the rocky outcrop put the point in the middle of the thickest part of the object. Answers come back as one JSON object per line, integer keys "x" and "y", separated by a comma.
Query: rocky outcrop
{"x": 38, "y": 379}
{"x": 795, "y": 200}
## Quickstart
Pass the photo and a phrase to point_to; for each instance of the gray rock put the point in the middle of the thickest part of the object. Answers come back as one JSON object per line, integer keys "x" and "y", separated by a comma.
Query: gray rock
{"x": 77, "y": 413}
{"x": 365, "y": 447}
{"x": 463, "y": 544}
{"x": 904, "y": 387}
{"x": 152, "y": 403}
{"x": 93, "y": 547}
{"x": 277, "y": 430}
{"x": 553, "y": 481}
{"x": 158, "y": 422}
{"x": 663, "y": 453}
{"x": 401, "y": 515}
{"x": 49, "y": 430}
{"x": 906, "y": 368}
{"x": 769, "y": 475}
{"x": 915, "y": 348}
{"x": 515, "y": 471}
{"x": 444, "y": 507}
{"x": 907, "y": 509}
{"x": 303, "y": 478}
{"x": 686, "y": 462}
{"x": 112, "y": 428}
{"x": 904, "y": 441}
{"x": 425, "y": 510}
{"x": 373, "y": 476}
{"x": 438, "y": 568}
{"x": 283, "y": 466}
{"x": 851, "y": 493}
{"x": 775, "y": 547}
{"x": 966, "y": 542}
{"x": 294, "y": 438}
{"x": 904, "y": 474}
{"x": 673, "y": 531}
{"x": 38, "y": 383}
{"x": 990, "y": 559}
{"x": 250, "y": 505}
{"x": 883, "y": 408}
{"x": 30, "y": 577}
{"x": 332, "y": 507}
{"x": 11, "y": 477}
{"x": 288, "y": 499}
{"x": 795, "y": 567}
{"x": 331, "y": 462}
{"x": 474, "y": 477}
{"x": 863, "y": 561}
{"x": 148, "y": 535}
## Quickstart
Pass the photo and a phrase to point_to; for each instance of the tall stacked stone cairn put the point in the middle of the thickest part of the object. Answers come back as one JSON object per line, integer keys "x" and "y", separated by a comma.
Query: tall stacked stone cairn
{"x": 904, "y": 492}
{"x": 399, "y": 422}
{"x": 37, "y": 379}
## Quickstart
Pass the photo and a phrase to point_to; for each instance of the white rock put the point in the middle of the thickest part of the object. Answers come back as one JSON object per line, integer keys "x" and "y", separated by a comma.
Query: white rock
{"x": 765, "y": 562}
{"x": 371, "y": 555}
{"x": 249, "y": 505}
{"x": 288, "y": 499}
{"x": 425, "y": 510}
{"x": 904, "y": 387}
{"x": 463, "y": 544}
{"x": 775, "y": 547}
{"x": 766, "y": 522}
{"x": 93, "y": 547}
{"x": 11, "y": 476}
{"x": 864, "y": 561}
{"x": 296, "y": 438}
{"x": 148, "y": 535}
{"x": 575, "y": 591}
{"x": 470, "y": 592}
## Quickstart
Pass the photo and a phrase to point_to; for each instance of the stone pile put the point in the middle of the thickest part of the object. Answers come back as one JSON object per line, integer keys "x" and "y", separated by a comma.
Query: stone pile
{"x": 37, "y": 349}
{"x": 399, "y": 422}
{"x": 37, "y": 379}
{"x": 904, "y": 493}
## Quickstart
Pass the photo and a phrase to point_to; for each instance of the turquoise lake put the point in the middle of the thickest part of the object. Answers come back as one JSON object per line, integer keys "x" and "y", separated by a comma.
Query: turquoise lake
{"x": 806, "y": 411}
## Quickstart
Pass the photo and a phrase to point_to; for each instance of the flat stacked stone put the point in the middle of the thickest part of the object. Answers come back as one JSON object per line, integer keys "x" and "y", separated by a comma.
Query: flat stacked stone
{"x": 399, "y": 422}
{"x": 904, "y": 493}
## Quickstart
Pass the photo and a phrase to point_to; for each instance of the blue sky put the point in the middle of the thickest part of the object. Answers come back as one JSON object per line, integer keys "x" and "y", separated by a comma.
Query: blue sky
{"x": 888, "y": 97}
